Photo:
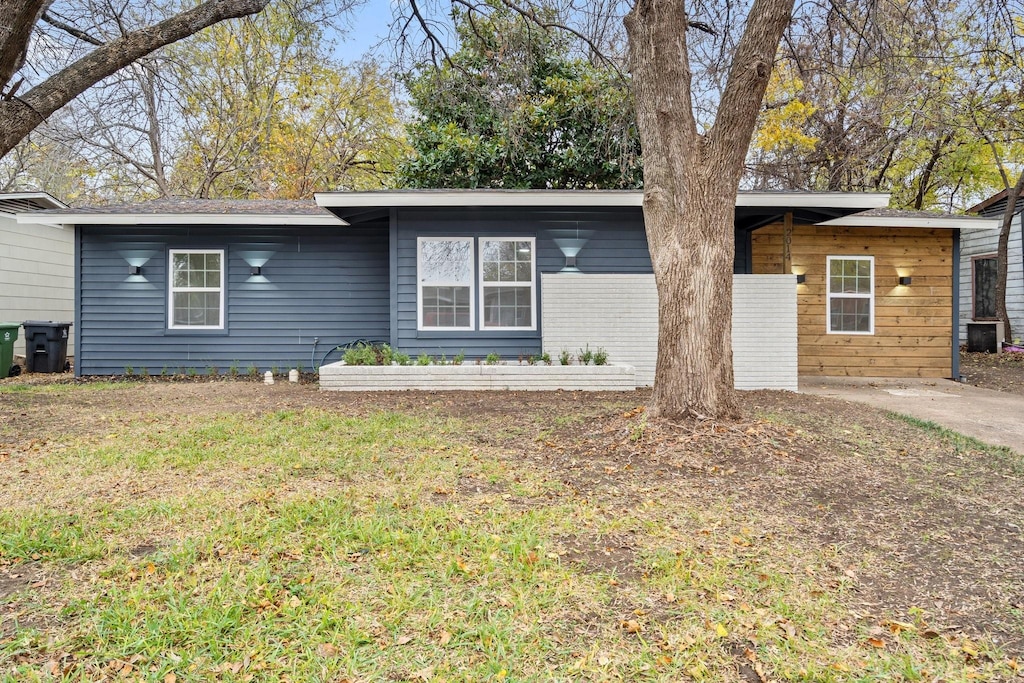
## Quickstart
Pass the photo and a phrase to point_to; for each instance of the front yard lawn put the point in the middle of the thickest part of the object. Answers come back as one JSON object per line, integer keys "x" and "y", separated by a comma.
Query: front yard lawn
{"x": 233, "y": 531}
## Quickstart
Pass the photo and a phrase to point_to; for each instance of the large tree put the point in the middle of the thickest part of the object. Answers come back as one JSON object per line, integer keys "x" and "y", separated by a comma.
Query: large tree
{"x": 513, "y": 108}
{"x": 694, "y": 150}
{"x": 21, "y": 20}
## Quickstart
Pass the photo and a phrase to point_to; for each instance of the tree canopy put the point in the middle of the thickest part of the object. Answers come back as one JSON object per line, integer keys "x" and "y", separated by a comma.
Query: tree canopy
{"x": 512, "y": 107}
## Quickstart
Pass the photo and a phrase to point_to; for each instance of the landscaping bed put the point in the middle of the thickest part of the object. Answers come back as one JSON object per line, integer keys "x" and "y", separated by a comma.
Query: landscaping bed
{"x": 997, "y": 371}
{"x": 503, "y": 376}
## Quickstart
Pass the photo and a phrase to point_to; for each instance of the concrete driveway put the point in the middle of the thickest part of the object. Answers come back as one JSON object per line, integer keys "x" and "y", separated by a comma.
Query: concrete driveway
{"x": 990, "y": 416}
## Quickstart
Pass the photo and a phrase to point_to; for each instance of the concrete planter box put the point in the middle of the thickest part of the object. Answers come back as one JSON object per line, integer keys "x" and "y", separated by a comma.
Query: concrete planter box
{"x": 340, "y": 377}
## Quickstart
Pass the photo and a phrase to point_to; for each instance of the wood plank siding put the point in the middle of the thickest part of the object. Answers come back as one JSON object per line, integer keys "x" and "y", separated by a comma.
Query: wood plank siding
{"x": 329, "y": 283}
{"x": 912, "y": 325}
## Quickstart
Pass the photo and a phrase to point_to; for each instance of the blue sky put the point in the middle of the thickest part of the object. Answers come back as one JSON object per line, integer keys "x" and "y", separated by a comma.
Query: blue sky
{"x": 369, "y": 25}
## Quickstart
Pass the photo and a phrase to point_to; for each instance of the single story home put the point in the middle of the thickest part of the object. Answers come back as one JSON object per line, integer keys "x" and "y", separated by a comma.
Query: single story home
{"x": 192, "y": 285}
{"x": 978, "y": 250}
{"x": 37, "y": 272}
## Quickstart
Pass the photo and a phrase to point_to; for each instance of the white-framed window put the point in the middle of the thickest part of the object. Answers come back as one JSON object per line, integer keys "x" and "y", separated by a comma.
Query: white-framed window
{"x": 444, "y": 272}
{"x": 196, "y": 289}
{"x": 508, "y": 295}
{"x": 851, "y": 295}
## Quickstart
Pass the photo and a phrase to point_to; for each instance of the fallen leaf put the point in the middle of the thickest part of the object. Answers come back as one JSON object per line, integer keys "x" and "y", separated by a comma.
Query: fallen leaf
{"x": 876, "y": 642}
{"x": 170, "y": 678}
{"x": 403, "y": 640}
{"x": 424, "y": 674}
{"x": 443, "y": 638}
{"x": 326, "y": 650}
{"x": 631, "y": 626}
{"x": 721, "y": 631}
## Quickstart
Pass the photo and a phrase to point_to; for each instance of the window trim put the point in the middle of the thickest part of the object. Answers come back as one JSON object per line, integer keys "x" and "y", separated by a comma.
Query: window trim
{"x": 974, "y": 282}
{"x": 829, "y": 295}
{"x": 172, "y": 290}
{"x": 420, "y": 327}
{"x": 484, "y": 327}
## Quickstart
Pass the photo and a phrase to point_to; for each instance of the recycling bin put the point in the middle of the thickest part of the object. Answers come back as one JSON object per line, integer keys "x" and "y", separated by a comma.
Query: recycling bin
{"x": 8, "y": 335}
{"x": 46, "y": 345}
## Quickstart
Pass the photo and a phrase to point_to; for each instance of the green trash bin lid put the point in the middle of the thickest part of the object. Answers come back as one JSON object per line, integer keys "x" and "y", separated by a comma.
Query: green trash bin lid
{"x": 9, "y": 331}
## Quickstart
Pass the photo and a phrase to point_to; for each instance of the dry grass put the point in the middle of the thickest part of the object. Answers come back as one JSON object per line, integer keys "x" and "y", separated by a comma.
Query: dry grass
{"x": 240, "y": 532}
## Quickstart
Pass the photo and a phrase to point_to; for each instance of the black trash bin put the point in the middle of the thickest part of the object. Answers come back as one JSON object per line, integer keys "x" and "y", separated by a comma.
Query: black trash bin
{"x": 46, "y": 345}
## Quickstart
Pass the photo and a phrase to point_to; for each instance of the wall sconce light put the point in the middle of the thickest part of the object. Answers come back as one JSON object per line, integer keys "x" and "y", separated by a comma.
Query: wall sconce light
{"x": 256, "y": 270}
{"x": 570, "y": 263}
{"x": 801, "y": 278}
{"x": 904, "y": 280}
{"x": 135, "y": 270}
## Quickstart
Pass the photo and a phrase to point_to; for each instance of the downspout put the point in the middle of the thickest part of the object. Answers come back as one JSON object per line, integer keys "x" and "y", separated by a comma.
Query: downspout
{"x": 393, "y": 273}
{"x": 78, "y": 300}
{"x": 955, "y": 358}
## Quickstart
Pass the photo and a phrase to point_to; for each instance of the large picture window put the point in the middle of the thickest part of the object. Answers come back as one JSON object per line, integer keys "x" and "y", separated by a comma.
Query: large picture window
{"x": 196, "y": 289}
{"x": 506, "y": 280}
{"x": 985, "y": 270}
{"x": 444, "y": 268}
{"x": 851, "y": 294}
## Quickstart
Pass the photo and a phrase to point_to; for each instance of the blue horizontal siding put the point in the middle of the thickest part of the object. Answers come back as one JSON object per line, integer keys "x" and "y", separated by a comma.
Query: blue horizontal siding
{"x": 330, "y": 283}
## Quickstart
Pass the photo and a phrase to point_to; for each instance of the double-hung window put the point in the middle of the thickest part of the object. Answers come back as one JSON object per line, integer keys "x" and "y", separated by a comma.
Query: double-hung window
{"x": 444, "y": 269}
{"x": 506, "y": 280}
{"x": 851, "y": 294}
{"x": 196, "y": 289}
{"x": 458, "y": 291}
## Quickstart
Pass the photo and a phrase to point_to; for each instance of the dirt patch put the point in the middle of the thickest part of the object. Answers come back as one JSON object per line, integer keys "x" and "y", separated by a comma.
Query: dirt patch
{"x": 999, "y": 372}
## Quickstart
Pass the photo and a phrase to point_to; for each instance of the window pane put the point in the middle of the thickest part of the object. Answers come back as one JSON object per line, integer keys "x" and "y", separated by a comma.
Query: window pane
{"x": 850, "y": 315}
{"x": 445, "y": 307}
{"x": 446, "y": 261}
{"x": 508, "y": 307}
{"x": 190, "y": 272}
{"x": 985, "y": 288}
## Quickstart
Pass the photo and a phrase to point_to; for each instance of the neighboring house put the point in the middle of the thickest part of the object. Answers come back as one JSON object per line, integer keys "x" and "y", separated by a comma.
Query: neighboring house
{"x": 978, "y": 250}
{"x": 37, "y": 274}
{"x": 181, "y": 285}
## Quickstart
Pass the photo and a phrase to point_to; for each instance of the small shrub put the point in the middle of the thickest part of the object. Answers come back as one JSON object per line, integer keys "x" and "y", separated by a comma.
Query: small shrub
{"x": 145, "y": 372}
{"x": 442, "y": 359}
{"x": 423, "y": 359}
{"x": 600, "y": 356}
{"x": 402, "y": 358}
{"x": 585, "y": 356}
{"x": 273, "y": 371}
{"x": 164, "y": 372}
{"x": 129, "y": 371}
{"x": 192, "y": 372}
{"x": 564, "y": 358}
{"x": 459, "y": 358}
{"x": 361, "y": 354}
{"x": 532, "y": 360}
{"x": 212, "y": 371}
{"x": 233, "y": 369}
{"x": 254, "y": 371}
{"x": 545, "y": 358}
{"x": 492, "y": 358}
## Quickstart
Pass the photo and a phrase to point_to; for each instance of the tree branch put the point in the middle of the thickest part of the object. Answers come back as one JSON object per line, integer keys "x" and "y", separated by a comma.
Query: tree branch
{"x": 21, "y": 115}
{"x": 70, "y": 30}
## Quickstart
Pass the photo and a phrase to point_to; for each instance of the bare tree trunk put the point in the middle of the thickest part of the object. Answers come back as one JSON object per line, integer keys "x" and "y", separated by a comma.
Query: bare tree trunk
{"x": 20, "y": 115}
{"x": 690, "y": 186}
{"x": 1013, "y": 192}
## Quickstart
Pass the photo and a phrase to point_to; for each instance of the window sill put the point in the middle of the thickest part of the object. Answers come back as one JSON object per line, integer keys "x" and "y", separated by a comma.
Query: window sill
{"x": 478, "y": 334}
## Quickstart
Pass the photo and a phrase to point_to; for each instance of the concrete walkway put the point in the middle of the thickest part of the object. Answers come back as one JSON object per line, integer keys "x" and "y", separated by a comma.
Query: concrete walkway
{"x": 990, "y": 416}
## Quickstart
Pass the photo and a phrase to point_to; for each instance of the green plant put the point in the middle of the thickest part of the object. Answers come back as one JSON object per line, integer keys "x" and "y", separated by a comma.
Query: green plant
{"x": 459, "y": 358}
{"x": 545, "y": 358}
{"x": 492, "y": 358}
{"x": 423, "y": 359}
{"x": 564, "y": 358}
{"x": 212, "y": 370}
{"x": 164, "y": 372}
{"x": 129, "y": 371}
{"x": 402, "y": 358}
{"x": 254, "y": 371}
{"x": 274, "y": 371}
{"x": 145, "y": 372}
{"x": 192, "y": 372}
{"x": 585, "y": 356}
{"x": 600, "y": 356}
{"x": 442, "y": 359}
{"x": 233, "y": 370}
{"x": 532, "y": 360}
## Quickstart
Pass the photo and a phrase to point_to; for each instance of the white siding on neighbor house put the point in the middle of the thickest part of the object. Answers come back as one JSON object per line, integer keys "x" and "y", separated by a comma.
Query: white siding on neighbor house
{"x": 986, "y": 243}
{"x": 620, "y": 314}
{"x": 36, "y": 275}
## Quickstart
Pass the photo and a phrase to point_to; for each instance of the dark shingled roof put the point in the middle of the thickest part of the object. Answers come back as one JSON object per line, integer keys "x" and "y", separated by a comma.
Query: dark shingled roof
{"x": 264, "y": 207}
{"x": 910, "y": 213}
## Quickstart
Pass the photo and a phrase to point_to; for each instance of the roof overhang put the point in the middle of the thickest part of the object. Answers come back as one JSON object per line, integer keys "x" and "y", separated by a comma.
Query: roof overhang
{"x": 566, "y": 198}
{"x": 72, "y": 218}
{"x": 45, "y": 199}
{"x": 938, "y": 222}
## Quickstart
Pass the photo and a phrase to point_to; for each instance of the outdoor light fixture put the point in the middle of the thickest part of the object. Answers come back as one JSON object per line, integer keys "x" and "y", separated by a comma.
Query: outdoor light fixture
{"x": 904, "y": 280}
{"x": 256, "y": 270}
{"x": 570, "y": 263}
{"x": 135, "y": 270}
{"x": 801, "y": 278}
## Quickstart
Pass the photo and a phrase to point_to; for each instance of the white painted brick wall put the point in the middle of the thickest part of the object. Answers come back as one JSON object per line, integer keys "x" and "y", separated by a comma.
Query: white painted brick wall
{"x": 620, "y": 313}
{"x": 339, "y": 377}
